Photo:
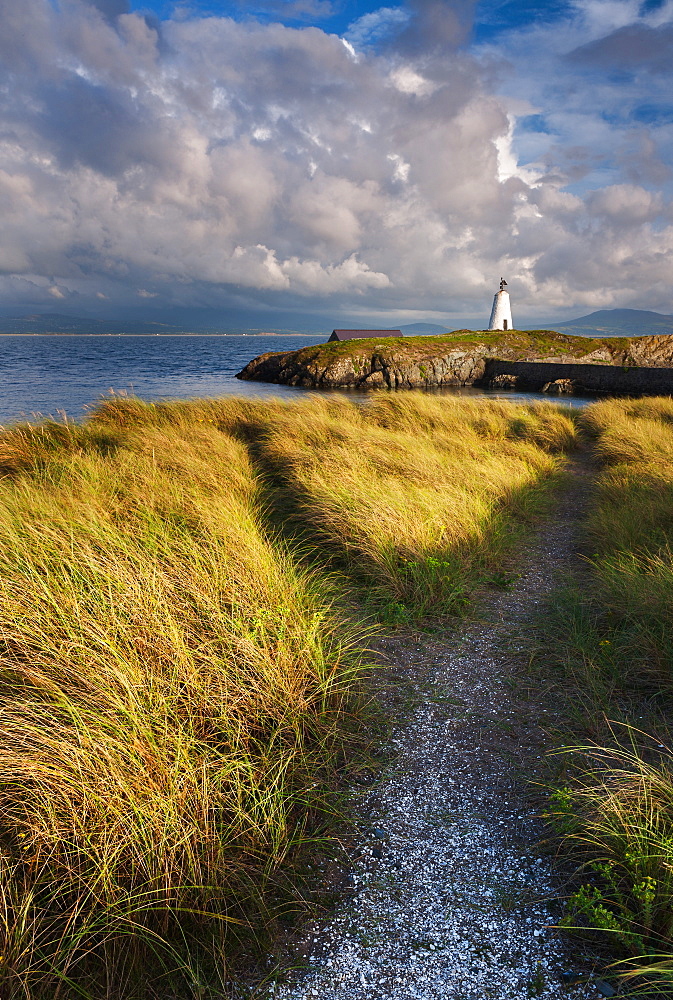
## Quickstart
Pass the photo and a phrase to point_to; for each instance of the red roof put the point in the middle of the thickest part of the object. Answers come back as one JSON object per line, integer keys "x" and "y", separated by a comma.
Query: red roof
{"x": 362, "y": 334}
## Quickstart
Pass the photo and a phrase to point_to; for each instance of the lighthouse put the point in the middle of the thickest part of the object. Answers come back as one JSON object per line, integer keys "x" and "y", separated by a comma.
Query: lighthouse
{"x": 501, "y": 313}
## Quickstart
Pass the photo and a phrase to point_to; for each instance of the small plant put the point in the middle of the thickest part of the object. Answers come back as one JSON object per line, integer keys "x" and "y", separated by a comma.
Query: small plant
{"x": 538, "y": 983}
{"x": 561, "y": 811}
{"x": 501, "y": 579}
{"x": 396, "y": 614}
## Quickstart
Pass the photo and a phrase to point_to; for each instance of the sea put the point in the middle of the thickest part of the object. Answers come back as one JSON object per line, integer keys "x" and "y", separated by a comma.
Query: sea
{"x": 65, "y": 376}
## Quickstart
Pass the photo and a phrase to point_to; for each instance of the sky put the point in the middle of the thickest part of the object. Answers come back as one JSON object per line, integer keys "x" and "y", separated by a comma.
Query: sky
{"x": 335, "y": 162}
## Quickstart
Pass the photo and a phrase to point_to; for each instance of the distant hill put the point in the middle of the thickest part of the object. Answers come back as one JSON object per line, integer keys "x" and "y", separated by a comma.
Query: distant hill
{"x": 422, "y": 329}
{"x": 59, "y": 324}
{"x": 617, "y": 323}
{"x": 604, "y": 323}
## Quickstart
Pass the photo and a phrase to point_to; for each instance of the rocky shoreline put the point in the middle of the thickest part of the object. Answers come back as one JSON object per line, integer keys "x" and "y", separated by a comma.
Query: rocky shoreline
{"x": 538, "y": 360}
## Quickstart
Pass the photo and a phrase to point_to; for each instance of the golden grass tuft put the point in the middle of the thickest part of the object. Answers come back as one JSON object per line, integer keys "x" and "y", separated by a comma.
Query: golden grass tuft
{"x": 171, "y": 685}
{"x": 418, "y": 496}
{"x": 616, "y": 818}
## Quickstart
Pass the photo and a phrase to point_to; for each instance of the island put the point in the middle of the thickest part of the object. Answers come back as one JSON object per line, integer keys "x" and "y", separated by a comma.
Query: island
{"x": 516, "y": 359}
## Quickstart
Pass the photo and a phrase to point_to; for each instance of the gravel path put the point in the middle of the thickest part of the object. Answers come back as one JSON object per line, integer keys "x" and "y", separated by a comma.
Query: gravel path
{"x": 450, "y": 899}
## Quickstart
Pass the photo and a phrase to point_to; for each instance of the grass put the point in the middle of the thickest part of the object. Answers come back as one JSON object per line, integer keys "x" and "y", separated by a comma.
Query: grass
{"x": 179, "y": 692}
{"x": 513, "y": 344}
{"x": 623, "y": 636}
{"x": 419, "y": 500}
{"x": 616, "y": 820}
{"x": 613, "y": 634}
{"x": 172, "y": 688}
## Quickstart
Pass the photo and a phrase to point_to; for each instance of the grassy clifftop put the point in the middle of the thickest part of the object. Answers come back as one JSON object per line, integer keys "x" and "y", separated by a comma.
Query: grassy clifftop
{"x": 517, "y": 344}
{"x": 458, "y": 358}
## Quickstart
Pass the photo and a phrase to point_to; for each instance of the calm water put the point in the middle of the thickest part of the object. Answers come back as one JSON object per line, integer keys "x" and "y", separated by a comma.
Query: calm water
{"x": 56, "y": 374}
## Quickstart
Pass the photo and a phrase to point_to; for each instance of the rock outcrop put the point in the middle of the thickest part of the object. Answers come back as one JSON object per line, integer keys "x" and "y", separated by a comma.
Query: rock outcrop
{"x": 460, "y": 359}
{"x": 366, "y": 370}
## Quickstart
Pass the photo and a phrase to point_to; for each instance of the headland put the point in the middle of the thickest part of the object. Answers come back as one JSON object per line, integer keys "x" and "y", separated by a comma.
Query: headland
{"x": 534, "y": 360}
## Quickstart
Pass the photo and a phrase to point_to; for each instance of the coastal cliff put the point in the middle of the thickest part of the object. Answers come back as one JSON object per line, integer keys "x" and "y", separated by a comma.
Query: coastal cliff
{"x": 462, "y": 358}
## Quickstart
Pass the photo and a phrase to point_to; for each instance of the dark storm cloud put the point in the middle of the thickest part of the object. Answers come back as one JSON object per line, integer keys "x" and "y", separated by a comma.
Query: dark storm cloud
{"x": 26, "y": 36}
{"x": 436, "y": 26}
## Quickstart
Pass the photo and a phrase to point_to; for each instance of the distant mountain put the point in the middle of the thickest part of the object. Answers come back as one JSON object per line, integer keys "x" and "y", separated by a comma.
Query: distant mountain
{"x": 56, "y": 323}
{"x": 59, "y": 324}
{"x": 422, "y": 329}
{"x": 604, "y": 323}
{"x": 616, "y": 323}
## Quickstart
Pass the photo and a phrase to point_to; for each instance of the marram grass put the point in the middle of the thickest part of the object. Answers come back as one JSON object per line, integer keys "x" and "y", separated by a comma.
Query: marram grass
{"x": 616, "y": 819}
{"x": 419, "y": 498}
{"x": 171, "y": 687}
{"x": 616, "y": 641}
{"x": 177, "y": 692}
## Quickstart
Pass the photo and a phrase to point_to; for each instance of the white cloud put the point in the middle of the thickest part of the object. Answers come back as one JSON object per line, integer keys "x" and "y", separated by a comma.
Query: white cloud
{"x": 259, "y": 267}
{"x": 625, "y": 204}
{"x": 508, "y": 162}
{"x": 400, "y": 168}
{"x": 406, "y": 79}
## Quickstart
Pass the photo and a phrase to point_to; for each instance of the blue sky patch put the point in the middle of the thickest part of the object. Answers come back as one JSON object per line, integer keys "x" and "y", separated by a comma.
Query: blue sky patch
{"x": 331, "y": 15}
{"x": 653, "y": 114}
{"x": 535, "y": 123}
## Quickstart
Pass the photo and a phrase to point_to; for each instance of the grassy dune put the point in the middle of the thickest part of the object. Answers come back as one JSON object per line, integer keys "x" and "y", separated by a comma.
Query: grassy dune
{"x": 418, "y": 499}
{"x": 617, "y": 644}
{"x": 172, "y": 687}
{"x": 178, "y": 690}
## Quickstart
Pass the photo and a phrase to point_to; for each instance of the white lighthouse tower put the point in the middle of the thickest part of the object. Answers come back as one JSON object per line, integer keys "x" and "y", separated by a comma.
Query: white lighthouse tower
{"x": 501, "y": 313}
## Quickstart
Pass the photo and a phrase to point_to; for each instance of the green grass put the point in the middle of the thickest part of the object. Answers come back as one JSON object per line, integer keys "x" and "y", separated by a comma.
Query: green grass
{"x": 418, "y": 499}
{"x": 613, "y": 634}
{"x": 630, "y": 540}
{"x": 179, "y": 692}
{"x": 513, "y": 344}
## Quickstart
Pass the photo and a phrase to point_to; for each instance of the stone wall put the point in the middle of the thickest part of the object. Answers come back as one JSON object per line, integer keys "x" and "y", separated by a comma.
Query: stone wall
{"x": 577, "y": 378}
